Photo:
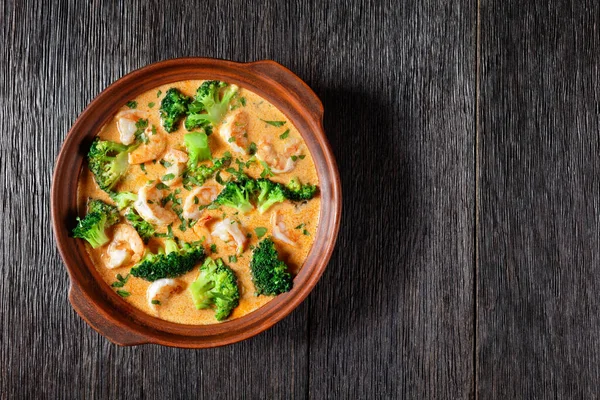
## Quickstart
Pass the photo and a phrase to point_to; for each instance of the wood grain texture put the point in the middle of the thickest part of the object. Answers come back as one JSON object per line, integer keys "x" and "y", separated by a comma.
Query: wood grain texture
{"x": 393, "y": 314}
{"x": 539, "y": 248}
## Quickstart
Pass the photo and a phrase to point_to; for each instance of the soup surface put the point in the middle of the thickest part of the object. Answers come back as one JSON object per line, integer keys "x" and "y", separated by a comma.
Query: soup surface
{"x": 259, "y": 141}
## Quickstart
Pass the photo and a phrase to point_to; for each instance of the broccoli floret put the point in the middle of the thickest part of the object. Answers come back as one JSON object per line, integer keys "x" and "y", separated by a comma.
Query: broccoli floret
{"x": 210, "y": 104}
{"x": 199, "y": 174}
{"x": 269, "y": 194}
{"x": 171, "y": 262}
{"x": 144, "y": 228}
{"x": 216, "y": 286}
{"x": 172, "y": 108}
{"x": 269, "y": 274}
{"x": 197, "y": 147}
{"x": 297, "y": 191}
{"x": 237, "y": 195}
{"x": 93, "y": 226}
{"x": 108, "y": 162}
{"x": 123, "y": 199}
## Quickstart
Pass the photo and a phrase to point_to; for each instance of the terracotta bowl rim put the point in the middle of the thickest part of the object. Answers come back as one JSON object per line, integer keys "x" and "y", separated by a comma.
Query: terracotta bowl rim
{"x": 93, "y": 300}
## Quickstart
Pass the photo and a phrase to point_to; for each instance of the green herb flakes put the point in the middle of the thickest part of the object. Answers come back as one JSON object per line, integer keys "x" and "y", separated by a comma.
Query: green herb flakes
{"x": 274, "y": 123}
{"x": 260, "y": 231}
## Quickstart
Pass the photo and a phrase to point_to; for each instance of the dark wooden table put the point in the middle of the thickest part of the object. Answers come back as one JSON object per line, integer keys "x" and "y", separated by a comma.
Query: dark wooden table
{"x": 467, "y": 136}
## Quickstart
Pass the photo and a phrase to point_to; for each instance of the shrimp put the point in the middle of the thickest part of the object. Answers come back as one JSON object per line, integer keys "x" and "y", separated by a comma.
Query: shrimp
{"x": 202, "y": 231}
{"x": 177, "y": 159}
{"x": 234, "y": 131}
{"x": 279, "y": 163}
{"x": 126, "y": 125}
{"x": 161, "y": 290}
{"x": 279, "y": 230}
{"x": 151, "y": 149}
{"x": 197, "y": 200}
{"x": 148, "y": 206}
{"x": 230, "y": 228}
{"x": 126, "y": 247}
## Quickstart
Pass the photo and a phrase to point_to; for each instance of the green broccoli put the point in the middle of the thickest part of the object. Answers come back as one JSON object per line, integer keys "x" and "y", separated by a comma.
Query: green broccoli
{"x": 199, "y": 174}
{"x": 210, "y": 104}
{"x": 123, "y": 199}
{"x": 144, "y": 228}
{"x": 173, "y": 107}
{"x": 269, "y": 194}
{"x": 108, "y": 162}
{"x": 171, "y": 262}
{"x": 269, "y": 274}
{"x": 297, "y": 191}
{"x": 93, "y": 226}
{"x": 197, "y": 147}
{"x": 216, "y": 286}
{"x": 237, "y": 194}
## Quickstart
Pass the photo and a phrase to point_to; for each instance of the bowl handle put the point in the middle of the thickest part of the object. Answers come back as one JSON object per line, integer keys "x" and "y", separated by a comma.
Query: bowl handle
{"x": 107, "y": 325}
{"x": 292, "y": 83}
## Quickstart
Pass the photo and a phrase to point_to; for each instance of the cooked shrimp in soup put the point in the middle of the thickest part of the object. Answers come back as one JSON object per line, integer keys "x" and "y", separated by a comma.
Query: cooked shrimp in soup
{"x": 205, "y": 202}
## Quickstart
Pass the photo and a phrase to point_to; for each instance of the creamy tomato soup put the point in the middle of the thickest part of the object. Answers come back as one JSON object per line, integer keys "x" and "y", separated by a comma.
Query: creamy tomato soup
{"x": 255, "y": 140}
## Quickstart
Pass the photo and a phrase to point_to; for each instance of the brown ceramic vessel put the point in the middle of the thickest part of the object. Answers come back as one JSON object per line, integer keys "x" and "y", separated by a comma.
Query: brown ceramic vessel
{"x": 93, "y": 300}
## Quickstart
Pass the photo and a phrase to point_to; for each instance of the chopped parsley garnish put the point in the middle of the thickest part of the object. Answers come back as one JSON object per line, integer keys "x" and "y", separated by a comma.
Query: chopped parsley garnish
{"x": 301, "y": 226}
{"x": 120, "y": 281}
{"x": 155, "y": 302}
{"x": 131, "y": 104}
{"x": 285, "y": 134}
{"x": 305, "y": 232}
{"x": 139, "y": 134}
{"x": 161, "y": 186}
{"x": 252, "y": 149}
{"x": 243, "y": 101}
{"x": 213, "y": 248}
{"x": 168, "y": 177}
{"x": 123, "y": 293}
{"x": 165, "y": 163}
{"x": 158, "y": 94}
{"x": 143, "y": 168}
{"x": 231, "y": 140}
{"x": 274, "y": 123}
{"x": 151, "y": 104}
{"x": 260, "y": 231}
{"x": 169, "y": 233}
{"x": 266, "y": 171}
{"x": 232, "y": 259}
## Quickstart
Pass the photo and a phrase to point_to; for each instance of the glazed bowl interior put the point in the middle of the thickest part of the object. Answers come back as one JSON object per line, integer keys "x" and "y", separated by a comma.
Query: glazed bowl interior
{"x": 92, "y": 298}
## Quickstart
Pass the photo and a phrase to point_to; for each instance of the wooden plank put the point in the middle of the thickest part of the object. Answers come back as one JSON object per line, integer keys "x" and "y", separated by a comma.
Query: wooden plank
{"x": 393, "y": 315}
{"x": 539, "y": 248}
{"x": 55, "y": 58}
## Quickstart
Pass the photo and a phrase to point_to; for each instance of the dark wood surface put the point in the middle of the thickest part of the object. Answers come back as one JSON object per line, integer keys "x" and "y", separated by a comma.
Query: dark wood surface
{"x": 467, "y": 137}
{"x": 538, "y": 313}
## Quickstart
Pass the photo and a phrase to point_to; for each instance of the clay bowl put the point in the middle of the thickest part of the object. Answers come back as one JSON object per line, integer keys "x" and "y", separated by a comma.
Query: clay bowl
{"x": 93, "y": 300}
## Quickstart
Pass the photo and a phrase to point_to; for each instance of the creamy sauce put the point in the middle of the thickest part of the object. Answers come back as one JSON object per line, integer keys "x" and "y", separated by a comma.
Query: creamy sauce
{"x": 179, "y": 308}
